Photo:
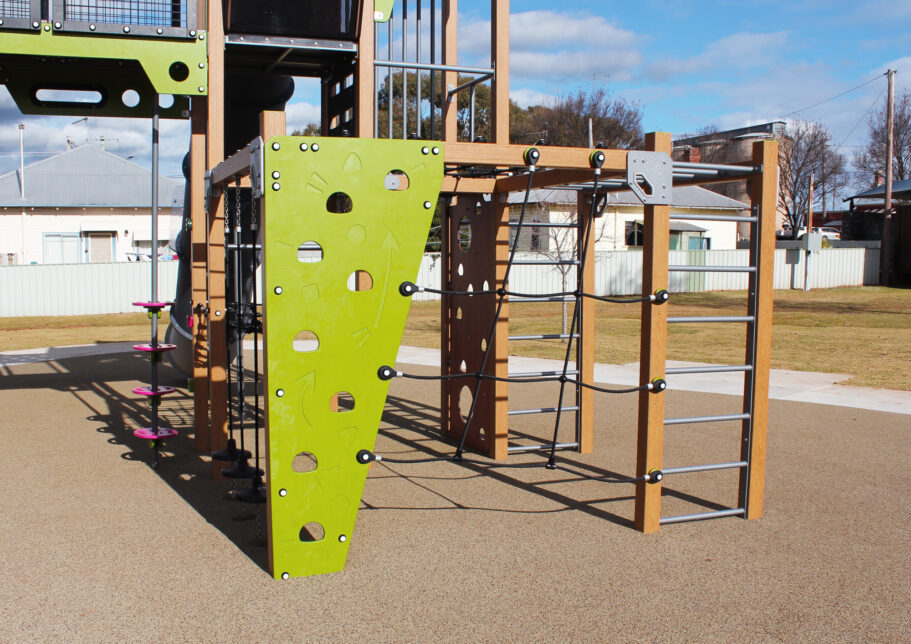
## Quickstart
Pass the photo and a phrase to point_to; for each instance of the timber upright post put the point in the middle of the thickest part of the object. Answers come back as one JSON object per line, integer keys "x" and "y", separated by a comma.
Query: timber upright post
{"x": 763, "y": 194}
{"x": 653, "y": 351}
{"x": 585, "y": 345}
{"x": 199, "y": 234}
{"x": 215, "y": 154}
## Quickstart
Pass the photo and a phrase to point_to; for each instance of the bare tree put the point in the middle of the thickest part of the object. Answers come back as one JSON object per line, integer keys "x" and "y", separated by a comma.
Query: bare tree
{"x": 872, "y": 157}
{"x": 616, "y": 123}
{"x": 805, "y": 154}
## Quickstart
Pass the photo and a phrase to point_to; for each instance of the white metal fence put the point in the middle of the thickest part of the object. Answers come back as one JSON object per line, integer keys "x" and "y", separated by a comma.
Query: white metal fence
{"x": 84, "y": 289}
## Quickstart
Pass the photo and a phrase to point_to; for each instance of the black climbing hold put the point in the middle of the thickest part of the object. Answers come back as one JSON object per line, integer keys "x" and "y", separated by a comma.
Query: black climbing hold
{"x": 241, "y": 470}
{"x": 256, "y": 493}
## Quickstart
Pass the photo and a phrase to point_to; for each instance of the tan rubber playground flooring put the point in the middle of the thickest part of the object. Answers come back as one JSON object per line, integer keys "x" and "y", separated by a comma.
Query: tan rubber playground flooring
{"x": 96, "y": 546}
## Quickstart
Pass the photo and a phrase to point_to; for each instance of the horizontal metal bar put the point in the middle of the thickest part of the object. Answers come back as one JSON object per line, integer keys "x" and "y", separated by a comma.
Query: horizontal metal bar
{"x": 715, "y": 368}
{"x": 717, "y": 514}
{"x": 244, "y": 246}
{"x": 323, "y": 44}
{"x": 711, "y": 269}
{"x": 542, "y": 374}
{"x": 711, "y": 318}
{"x": 543, "y": 224}
{"x": 741, "y": 218}
{"x": 236, "y": 165}
{"x": 471, "y": 83}
{"x": 545, "y": 336}
{"x": 705, "y": 419}
{"x": 540, "y": 410}
{"x": 565, "y": 298}
{"x": 703, "y": 468}
{"x": 512, "y": 449}
{"x": 545, "y": 262}
{"x": 686, "y": 165}
{"x": 432, "y": 67}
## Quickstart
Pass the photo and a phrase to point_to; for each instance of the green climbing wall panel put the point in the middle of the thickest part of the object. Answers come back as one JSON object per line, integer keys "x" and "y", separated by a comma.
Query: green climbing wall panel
{"x": 359, "y": 211}
{"x": 110, "y": 65}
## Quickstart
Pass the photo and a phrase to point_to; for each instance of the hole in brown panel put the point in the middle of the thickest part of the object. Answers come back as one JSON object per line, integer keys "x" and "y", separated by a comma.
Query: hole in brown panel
{"x": 360, "y": 281}
{"x": 309, "y": 252}
{"x": 463, "y": 367}
{"x": 396, "y": 180}
{"x": 460, "y": 270}
{"x": 482, "y": 435}
{"x": 465, "y": 402}
{"x": 470, "y": 288}
{"x": 339, "y": 203}
{"x": 459, "y": 313}
{"x": 305, "y": 341}
{"x": 485, "y": 286}
{"x": 464, "y": 233}
{"x": 304, "y": 462}
{"x": 483, "y": 344}
{"x": 342, "y": 402}
{"x": 312, "y": 531}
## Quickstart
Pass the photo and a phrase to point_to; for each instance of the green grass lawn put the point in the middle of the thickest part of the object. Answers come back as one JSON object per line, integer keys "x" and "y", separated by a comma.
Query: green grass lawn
{"x": 864, "y": 332}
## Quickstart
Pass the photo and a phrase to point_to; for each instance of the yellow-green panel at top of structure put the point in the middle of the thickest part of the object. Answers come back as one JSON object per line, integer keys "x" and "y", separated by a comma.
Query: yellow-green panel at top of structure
{"x": 105, "y": 64}
{"x": 345, "y": 223}
{"x": 382, "y": 10}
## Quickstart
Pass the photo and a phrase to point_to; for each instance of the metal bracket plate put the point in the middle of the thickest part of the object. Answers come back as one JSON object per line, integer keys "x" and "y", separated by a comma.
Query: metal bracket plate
{"x": 256, "y": 167}
{"x": 650, "y": 175}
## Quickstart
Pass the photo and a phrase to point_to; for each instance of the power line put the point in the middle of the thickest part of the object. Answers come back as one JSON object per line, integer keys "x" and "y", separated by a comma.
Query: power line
{"x": 862, "y": 118}
{"x": 804, "y": 109}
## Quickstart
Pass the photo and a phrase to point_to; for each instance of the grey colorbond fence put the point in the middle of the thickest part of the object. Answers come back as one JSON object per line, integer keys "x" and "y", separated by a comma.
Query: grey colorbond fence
{"x": 85, "y": 289}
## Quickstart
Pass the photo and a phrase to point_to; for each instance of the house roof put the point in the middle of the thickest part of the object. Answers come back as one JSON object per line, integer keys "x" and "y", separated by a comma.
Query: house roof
{"x": 900, "y": 190}
{"x": 88, "y": 176}
{"x": 692, "y": 197}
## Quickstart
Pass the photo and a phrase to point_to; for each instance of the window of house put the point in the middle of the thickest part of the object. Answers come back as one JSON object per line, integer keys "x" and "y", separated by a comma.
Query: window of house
{"x": 61, "y": 248}
{"x": 634, "y": 233}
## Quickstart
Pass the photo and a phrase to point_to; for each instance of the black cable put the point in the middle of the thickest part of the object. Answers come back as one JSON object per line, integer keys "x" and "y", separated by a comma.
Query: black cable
{"x": 387, "y": 373}
{"x": 620, "y": 300}
{"x": 496, "y": 465}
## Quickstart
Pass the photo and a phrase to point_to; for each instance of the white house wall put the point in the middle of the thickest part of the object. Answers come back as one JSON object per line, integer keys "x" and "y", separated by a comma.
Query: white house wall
{"x": 22, "y": 231}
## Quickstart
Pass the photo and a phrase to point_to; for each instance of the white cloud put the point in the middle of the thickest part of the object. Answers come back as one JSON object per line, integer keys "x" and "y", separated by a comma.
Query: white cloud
{"x": 300, "y": 114}
{"x": 525, "y": 97}
{"x": 742, "y": 50}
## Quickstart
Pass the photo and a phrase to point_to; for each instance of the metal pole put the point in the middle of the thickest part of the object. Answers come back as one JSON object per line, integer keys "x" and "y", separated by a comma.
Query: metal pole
{"x": 154, "y": 209}
{"x": 404, "y": 70}
{"x": 433, "y": 60}
{"x": 886, "y": 246}
{"x": 389, "y": 76}
{"x": 418, "y": 75}
{"x": 21, "y": 161}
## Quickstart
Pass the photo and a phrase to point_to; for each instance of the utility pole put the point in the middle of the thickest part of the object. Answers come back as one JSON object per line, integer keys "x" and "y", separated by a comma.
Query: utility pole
{"x": 886, "y": 263}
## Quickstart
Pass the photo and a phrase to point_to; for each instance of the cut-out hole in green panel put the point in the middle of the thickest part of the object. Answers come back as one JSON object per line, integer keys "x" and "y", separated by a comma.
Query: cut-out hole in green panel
{"x": 396, "y": 180}
{"x": 312, "y": 531}
{"x": 309, "y": 252}
{"x": 304, "y": 462}
{"x": 342, "y": 402}
{"x": 360, "y": 281}
{"x": 339, "y": 203}
{"x": 305, "y": 342}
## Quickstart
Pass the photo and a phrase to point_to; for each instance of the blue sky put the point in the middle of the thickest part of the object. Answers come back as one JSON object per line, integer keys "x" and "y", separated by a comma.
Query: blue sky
{"x": 688, "y": 64}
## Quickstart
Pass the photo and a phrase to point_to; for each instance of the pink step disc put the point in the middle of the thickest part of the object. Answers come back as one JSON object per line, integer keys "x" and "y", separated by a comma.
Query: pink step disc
{"x": 153, "y": 305}
{"x": 146, "y": 433}
{"x": 148, "y": 391}
{"x": 148, "y": 348}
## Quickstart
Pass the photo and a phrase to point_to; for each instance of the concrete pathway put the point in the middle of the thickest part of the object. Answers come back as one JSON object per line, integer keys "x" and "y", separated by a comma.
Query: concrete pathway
{"x": 798, "y": 386}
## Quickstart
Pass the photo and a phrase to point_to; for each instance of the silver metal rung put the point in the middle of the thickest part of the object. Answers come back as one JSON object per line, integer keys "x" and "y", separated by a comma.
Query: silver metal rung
{"x": 711, "y": 269}
{"x": 557, "y": 298}
{"x": 715, "y": 368}
{"x": 545, "y": 262}
{"x": 739, "y": 218}
{"x": 545, "y": 336}
{"x": 705, "y": 419}
{"x": 717, "y": 514}
{"x": 244, "y": 246}
{"x": 512, "y": 449}
{"x": 541, "y": 374}
{"x": 542, "y": 224}
{"x": 703, "y": 468}
{"x": 711, "y": 318}
{"x": 542, "y": 410}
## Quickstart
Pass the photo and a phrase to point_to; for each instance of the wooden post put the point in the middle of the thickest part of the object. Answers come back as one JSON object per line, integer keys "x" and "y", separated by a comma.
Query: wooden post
{"x": 498, "y": 433}
{"x": 764, "y": 195}
{"x": 365, "y": 102}
{"x": 215, "y": 154}
{"x": 585, "y": 350}
{"x": 450, "y": 79}
{"x": 198, "y": 279}
{"x": 499, "y": 58}
{"x": 653, "y": 352}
